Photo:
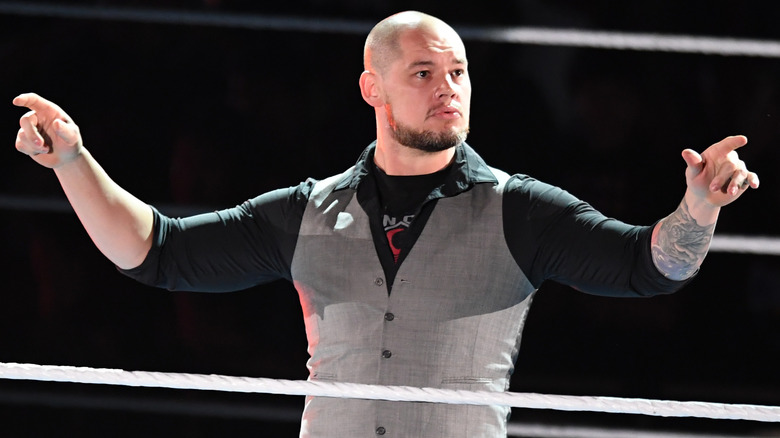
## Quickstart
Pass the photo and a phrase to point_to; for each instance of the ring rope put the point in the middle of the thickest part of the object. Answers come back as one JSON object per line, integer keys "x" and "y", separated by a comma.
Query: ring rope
{"x": 745, "y": 244}
{"x": 512, "y": 35}
{"x": 664, "y": 408}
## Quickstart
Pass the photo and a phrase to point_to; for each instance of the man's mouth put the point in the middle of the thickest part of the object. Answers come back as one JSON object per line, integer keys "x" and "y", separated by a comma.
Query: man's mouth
{"x": 449, "y": 112}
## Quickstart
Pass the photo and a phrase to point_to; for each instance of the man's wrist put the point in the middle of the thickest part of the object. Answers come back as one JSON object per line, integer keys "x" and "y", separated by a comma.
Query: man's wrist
{"x": 73, "y": 161}
{"x": 700, "y": 209}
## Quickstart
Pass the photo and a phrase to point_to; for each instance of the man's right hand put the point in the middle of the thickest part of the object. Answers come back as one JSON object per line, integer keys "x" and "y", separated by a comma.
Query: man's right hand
{"x": 47, "y": 133}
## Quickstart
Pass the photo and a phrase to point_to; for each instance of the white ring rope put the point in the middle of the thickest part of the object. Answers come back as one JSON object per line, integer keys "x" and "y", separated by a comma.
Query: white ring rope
{"x": 511, "y": 35}
{"x": 745, "y": 244}
{"x": 662, "y": 408}
{"x": 625, "y": 41}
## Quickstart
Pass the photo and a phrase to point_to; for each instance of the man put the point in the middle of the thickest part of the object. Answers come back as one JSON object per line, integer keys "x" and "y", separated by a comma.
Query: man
{"x": 417, "y": 265}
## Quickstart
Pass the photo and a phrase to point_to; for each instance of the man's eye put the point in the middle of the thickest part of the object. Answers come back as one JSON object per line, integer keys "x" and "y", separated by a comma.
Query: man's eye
{"x": 422, "y": 74}
{"x": 458, "y": 72}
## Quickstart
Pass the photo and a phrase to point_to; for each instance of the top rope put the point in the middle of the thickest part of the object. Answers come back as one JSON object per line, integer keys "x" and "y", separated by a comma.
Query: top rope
{"x": 661, "y": 408}
{"x": 704, "y": 45}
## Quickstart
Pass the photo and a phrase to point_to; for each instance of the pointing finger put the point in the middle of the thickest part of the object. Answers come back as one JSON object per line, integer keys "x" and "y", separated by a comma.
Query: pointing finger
{"x": 37, "y": 103}
{"x": 729, "y": 144}
{"x": 29, "y": 100}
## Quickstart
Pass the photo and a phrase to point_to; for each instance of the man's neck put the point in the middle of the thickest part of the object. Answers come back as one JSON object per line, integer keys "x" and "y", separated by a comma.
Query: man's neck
{"x": 396, "y": 159}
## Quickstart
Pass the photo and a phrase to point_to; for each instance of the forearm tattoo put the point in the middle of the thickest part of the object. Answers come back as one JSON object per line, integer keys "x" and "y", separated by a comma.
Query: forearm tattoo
{"x": 681, "y": 244}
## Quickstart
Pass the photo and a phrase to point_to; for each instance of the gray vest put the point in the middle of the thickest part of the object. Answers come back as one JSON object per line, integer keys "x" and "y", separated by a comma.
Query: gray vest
{"x": 453, "y": 320}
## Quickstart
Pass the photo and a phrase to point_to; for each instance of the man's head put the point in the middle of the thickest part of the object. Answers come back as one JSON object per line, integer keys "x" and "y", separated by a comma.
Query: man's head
{"x": 416, "y": 78}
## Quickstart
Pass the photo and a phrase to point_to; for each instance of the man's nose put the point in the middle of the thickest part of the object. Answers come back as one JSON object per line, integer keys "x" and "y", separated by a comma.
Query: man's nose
{"x": 446, "y": 88}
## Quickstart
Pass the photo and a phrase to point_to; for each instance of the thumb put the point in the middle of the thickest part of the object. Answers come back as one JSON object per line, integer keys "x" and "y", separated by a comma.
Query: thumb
{"x": 694, "y": 161}
{"x": 68, "y": 132}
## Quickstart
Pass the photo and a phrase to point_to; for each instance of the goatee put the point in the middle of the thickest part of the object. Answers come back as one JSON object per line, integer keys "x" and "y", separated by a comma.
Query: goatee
{"x": 428, "y": 141}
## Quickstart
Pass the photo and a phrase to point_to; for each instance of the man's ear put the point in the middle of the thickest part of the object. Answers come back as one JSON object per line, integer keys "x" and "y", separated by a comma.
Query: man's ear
{"x": 370, "y": 89}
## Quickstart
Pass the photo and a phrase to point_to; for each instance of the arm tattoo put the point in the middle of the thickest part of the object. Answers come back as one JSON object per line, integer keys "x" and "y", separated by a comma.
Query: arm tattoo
{"x": 681, "y": 244}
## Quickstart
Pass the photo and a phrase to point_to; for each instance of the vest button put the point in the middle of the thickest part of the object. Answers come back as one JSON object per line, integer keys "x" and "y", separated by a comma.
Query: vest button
{"x": 380, "y": 430}
{"x": 379, "y": 281}
{"x": 389, "y": 316}
{"x": 386, "y": 354}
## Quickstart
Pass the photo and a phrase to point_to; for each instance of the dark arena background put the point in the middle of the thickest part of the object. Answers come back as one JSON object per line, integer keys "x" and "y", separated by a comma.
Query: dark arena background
{"x": 197, "y": 105}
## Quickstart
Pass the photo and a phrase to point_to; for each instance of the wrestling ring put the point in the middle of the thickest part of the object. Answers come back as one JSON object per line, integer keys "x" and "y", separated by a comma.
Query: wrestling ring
{"x": 525, "y": 35}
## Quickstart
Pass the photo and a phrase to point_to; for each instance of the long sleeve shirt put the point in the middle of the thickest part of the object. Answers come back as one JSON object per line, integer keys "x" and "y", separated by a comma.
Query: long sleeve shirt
{"x": 450, "y": 315}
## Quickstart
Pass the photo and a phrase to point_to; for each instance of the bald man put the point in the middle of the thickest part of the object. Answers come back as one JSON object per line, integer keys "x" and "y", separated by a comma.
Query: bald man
{"x": 417, "y": 265}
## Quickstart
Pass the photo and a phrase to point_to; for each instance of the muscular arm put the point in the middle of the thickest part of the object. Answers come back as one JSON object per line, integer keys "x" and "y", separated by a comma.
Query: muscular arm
{"x": 118, "y": 223}
{"x": 227, "y": 250}
{"x": 555, "y": 236}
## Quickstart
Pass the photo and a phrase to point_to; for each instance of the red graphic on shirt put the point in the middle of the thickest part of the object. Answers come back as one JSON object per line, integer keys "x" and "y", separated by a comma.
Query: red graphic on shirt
{"x": 393, "y": 226}
{"x": 395, "y": 250}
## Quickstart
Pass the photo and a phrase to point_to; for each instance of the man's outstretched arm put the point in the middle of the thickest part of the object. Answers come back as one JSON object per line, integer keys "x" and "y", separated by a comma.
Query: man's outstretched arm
{"x": 119, "y": 224}
{"x": 715, "y": 178}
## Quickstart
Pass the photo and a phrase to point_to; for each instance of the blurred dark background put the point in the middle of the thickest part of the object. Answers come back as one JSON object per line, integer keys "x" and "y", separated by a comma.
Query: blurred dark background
{"x": 191, "y": 117}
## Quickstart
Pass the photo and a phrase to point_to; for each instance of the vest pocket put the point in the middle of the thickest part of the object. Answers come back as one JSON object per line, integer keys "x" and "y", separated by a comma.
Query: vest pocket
{"x": 467, "y": 380}
{"x": 324, "y": 376}
{"x": 474, "y": 383}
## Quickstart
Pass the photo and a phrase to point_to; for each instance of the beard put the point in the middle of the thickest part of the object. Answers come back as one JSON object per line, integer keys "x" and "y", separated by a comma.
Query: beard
{"x": 426, "y": 140}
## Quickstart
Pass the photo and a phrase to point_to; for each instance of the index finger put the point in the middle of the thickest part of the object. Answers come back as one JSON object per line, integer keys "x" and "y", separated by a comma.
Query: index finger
{"x": 34, "y": 102}
{"x": 731, "y": 143}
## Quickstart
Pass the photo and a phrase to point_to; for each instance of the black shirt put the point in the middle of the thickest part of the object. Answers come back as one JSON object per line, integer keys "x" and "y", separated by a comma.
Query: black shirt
{"x": 405, "y": 209}
{"x": 551, "y": 234}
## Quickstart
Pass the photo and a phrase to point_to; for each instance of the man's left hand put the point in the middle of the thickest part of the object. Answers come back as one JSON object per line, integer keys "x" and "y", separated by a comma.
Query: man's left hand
{"x": 717, "y": 175}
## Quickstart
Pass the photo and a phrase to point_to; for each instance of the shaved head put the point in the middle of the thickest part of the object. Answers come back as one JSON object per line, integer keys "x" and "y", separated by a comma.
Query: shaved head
{"x": 382, "y": 44}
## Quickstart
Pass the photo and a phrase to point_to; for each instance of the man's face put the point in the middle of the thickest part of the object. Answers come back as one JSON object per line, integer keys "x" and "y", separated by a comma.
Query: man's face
{"x": 427, "y": 91}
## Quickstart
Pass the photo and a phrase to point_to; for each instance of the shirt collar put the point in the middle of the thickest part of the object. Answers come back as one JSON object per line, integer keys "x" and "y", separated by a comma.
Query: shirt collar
{"x": 467, "y": 169}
